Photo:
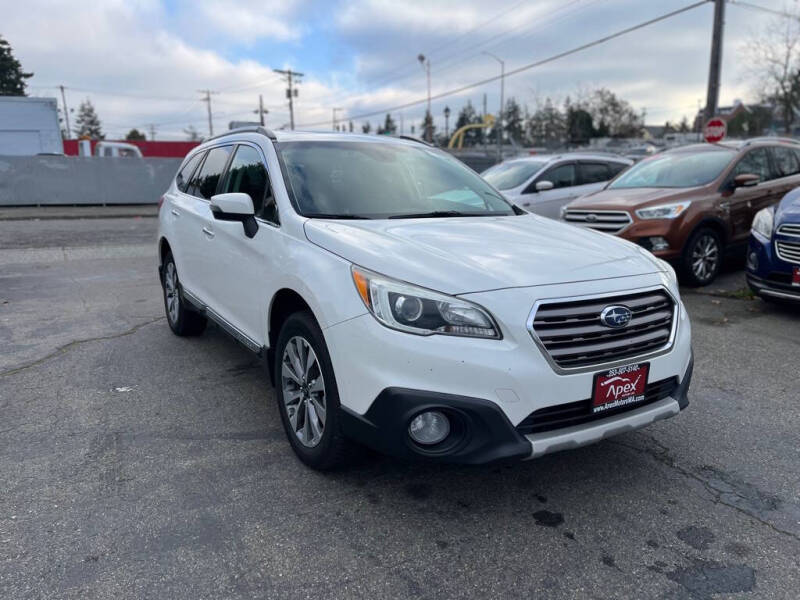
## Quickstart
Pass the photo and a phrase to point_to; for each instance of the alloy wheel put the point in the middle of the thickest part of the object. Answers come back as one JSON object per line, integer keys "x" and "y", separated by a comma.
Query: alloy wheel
{"x": 303, "y": 388}
{"x": 171, "y": 292}
{"x": 705, "y": 257}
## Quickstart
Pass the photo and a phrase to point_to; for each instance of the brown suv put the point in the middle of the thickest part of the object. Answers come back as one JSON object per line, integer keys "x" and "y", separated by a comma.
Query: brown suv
{"x": 692, "y": 204}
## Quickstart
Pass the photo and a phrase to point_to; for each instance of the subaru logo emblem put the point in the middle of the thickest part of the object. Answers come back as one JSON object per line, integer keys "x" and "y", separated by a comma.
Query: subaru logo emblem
{"x": 616, "y": 316}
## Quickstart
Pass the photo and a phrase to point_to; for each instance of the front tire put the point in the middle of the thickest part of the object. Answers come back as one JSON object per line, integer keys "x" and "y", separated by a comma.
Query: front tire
{"x": 307, "y": 396}
{"x": 702, "y": 257}
{"x": 182, "y": 320}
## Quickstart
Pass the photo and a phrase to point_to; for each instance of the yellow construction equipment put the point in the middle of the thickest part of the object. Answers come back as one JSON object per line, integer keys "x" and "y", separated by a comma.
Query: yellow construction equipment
{"x": 457, "y": 141}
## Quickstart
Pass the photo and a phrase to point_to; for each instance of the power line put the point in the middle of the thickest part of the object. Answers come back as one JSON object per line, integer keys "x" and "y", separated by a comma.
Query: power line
{"x": 772, "y": 11}
{"x": 527, "y": 67}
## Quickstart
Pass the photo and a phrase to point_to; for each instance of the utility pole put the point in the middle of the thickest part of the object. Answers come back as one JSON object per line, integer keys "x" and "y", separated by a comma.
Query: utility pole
{"x": 152, "y": 129}
{"x": 261, "y": 111}
{"x": 499, "y": 122}
{"x": 426, "y": 63}
{"x": 66, "y": 110}
{"x": 712, "y": 97}
{"x": 207, "y": 100}
{"x": 333, "y": 124}
{"x": 291, "y": 92}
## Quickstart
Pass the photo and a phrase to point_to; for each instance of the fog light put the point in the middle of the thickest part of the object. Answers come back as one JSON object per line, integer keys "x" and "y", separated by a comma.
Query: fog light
{"x": 752, "y": 261}
{"x": 658, "y": 243}
{"x": 429, "y": 427}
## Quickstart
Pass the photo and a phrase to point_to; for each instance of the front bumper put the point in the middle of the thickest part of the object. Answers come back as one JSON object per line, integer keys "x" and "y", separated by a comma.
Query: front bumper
{"x": 495, "y": 383}
{"x": 768, "y": 275}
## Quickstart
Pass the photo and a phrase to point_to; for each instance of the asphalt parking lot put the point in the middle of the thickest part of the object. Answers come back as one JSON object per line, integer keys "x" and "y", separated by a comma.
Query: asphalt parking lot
{"x": 136, "y": 464}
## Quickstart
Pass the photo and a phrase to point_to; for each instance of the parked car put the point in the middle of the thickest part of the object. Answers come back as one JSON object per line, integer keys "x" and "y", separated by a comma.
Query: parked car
{"x": 117, "y": 149}
{"x": 401, "y": 302}
{"x": 542, "y": 184}
{"x": 773, "y": 260}
{"x": 691, "y": 205}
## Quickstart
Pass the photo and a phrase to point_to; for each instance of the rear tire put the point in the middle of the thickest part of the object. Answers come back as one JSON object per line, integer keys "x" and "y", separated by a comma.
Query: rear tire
{"x": 307, "y": 395}
{"x": 181, "y": 318}
{"x": 702, "y": 257}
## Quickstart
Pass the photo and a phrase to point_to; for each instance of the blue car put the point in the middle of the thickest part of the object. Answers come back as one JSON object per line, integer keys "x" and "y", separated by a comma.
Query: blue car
{"x": 773, "y": 259}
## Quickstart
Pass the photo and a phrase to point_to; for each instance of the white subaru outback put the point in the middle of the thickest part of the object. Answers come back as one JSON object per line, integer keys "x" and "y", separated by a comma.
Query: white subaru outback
{"x": 400, "y": 302}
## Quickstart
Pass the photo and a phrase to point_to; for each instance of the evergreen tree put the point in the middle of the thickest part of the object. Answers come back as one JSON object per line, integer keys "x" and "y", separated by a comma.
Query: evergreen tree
{"x": 134, "y": 135}
{"x": 366, "y": 127}
{"x": 513, "y": 119}
{"x": 389, "y": 126}
{"x": 684, "y": 126}
{"x": 468, "y": 116}
{"x": 12, "y": 77}
{"x": 428, "y": 127}
{"x": 351, "y": 127}
{"x": 88, "y": 123}
{"x": 579, "y": 125}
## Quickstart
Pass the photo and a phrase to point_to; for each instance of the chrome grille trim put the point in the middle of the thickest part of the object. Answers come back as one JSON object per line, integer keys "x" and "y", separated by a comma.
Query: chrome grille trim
{"x": 563, "y": 336}
{"x": 788, "y": 251}
{"x": 792, "y": 229}
{"x": 608, "y": 221}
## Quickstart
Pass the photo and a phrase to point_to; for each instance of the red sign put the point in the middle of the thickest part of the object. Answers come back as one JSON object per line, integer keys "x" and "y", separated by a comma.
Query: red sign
{"x": 796, "y": 276}
{"x": 715, "y": 130}
{"x": 619, "y": 387}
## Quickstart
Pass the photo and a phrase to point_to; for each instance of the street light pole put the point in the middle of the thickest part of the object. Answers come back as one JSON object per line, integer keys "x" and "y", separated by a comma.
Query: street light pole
{"x": 426, "y": 63}
{"x": 447, "y": 122}
{"x": 499, "y": 122}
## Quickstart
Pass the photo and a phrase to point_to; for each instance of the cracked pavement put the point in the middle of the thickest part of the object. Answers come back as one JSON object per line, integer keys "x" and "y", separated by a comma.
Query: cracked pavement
{"x": 135, "y": 464}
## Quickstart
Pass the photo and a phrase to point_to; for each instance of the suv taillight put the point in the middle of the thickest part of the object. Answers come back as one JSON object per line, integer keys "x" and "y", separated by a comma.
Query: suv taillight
{"x": 160, "y": 202}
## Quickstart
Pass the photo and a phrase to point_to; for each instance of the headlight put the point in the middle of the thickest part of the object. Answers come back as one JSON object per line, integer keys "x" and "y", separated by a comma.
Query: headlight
{"x": 663, "y": 211}
{"x": 763, "y": 222}
{"x": 413, "y": 309}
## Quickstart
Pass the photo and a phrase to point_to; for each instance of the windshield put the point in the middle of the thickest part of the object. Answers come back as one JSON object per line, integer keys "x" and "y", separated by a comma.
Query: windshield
{"x": 675, "y": 170}
{"x": 512, "y": 174}
{"x": 375, "y": 180}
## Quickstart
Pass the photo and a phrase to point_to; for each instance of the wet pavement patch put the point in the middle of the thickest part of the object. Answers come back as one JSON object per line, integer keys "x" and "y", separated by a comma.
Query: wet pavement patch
{"x": 704, "y": 579}
{"x": 548, "y": 519}
{"x": 698, "y": 538}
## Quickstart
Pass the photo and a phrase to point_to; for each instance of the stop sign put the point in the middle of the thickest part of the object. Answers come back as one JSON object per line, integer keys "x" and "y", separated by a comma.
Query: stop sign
{"x": 715, "y": 130}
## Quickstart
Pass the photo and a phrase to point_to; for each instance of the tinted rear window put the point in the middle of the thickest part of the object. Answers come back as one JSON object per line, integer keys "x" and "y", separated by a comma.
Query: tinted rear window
{"x": 204, "y": 184}
{"x": 182, "y": 179}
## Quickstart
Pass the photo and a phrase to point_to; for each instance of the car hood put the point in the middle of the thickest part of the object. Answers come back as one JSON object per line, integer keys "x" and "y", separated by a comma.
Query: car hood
{"x": 463, "y": 255}
{"x": 788, "y": 210}
{"x": 626, "y": 198}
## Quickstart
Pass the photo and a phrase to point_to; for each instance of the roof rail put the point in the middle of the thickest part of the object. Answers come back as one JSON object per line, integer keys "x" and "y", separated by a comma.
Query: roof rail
{"x": 411, "y": 138}
{"x": 252, "y": 129}
{"x": 785, "y": 140}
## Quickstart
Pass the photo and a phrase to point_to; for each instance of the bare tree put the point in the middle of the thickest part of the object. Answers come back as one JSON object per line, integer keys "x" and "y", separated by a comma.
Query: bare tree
{"x": 773, "y": 59}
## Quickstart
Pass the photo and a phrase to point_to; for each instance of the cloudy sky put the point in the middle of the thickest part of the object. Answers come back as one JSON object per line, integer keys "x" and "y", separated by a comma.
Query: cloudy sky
{"x": 143, "y": 62}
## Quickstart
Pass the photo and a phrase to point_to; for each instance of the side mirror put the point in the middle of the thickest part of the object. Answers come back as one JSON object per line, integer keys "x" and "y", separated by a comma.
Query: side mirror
{"x": 543, "y": 186}
{"x": 745, "y": 180}
{"x": 235, "y": 206}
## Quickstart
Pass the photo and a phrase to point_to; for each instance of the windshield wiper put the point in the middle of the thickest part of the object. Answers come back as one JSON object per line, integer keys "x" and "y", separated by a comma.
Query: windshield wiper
{"x": 440, "y": 213}
{"x": 334, "y": 216}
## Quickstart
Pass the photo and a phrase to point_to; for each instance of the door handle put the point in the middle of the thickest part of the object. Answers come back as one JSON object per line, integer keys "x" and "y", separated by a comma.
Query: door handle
{"x": 209, "y": 233}
{"x": 175, "y": 212}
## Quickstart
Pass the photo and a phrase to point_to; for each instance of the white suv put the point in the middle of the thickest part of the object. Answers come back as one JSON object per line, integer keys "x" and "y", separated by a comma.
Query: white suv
{"x": 400, "y": 302}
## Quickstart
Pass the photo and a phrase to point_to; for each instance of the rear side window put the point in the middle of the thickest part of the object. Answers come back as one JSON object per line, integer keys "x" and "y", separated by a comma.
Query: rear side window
{"x": 593, "y": 173}
{"x": 182, "y": 179}
{"x": 248, "y": 175}
{"x": 561, "y": 176}
{"x": 615, "y": 167}
{"x": 755, "y": 162}
{"x": 204, "y": 183}
{"x": 785, "y": 161}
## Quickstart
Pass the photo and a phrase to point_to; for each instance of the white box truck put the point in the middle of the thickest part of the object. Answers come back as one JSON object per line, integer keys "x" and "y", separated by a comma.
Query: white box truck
{"x": 29, "y": 126}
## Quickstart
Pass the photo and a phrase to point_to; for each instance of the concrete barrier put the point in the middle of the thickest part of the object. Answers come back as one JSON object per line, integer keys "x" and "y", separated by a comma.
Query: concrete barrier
{"x": 54, "y": 180}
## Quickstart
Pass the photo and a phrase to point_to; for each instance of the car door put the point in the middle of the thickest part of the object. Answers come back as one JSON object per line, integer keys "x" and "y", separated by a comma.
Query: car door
{"x": 198, "y": 224}
{"x": 740, "y": 204}
{"x": 176, "y": 203}
{"x": 786, "y": 175}
{"x": 548, "y": 203}
{"x": 243, "y": 265}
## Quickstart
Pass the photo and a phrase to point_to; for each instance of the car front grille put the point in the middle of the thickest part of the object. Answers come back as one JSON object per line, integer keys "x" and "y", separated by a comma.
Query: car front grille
{"x": 572, "y": 335}
{"x": 788, "y": 251}
{"x": 790, "y": 229}
{"x": 577, "y": 413}
{"x": 608, "y": 221}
